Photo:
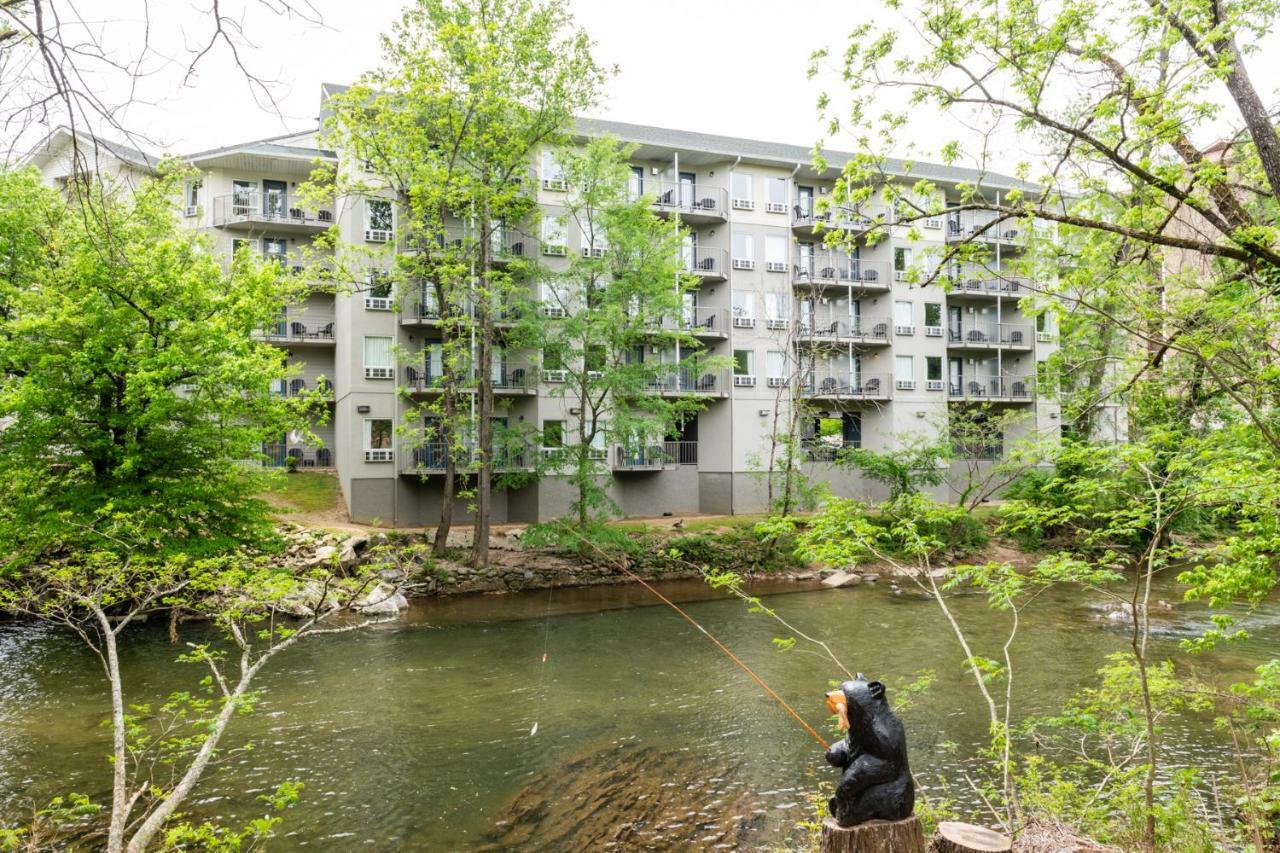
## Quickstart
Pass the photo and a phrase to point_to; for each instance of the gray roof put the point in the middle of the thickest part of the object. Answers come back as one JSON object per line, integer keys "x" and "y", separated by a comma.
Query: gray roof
{"x": 125, "y": 153}
{"x": 776, "y": 152}
{"x": 267, "y": 147}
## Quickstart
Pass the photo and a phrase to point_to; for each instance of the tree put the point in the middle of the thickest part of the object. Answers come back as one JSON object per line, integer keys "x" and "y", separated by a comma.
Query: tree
{"x": 623, "y": 293}
{"x": 159, "y": 755}
{"x": 904, "y": 470}
{"x": 1170, "y": 242}
{"x": 980, "y": 466}
{"x": 132, "y": 390}
{"x": 469, "y": 93}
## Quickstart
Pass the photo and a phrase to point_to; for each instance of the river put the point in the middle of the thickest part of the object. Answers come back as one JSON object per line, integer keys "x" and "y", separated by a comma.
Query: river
{"x": 419, "y": 734}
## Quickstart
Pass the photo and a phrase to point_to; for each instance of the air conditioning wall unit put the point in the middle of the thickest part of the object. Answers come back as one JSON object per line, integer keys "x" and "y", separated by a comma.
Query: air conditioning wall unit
{"x": 899, "y": 275}
{"x": 382, "y": 455}
{"x": 935, "y": 385}
{"x": 905, "y": 384}
{"x": 555, "y": 375}
{"x": 377, "y": 303}
{"x": 1044, "y": 337}
{"x": 377, "y": 235}
{"x": 904, "y": 330}
{"x": 556, "y": 251}
{"x": 933, "y": 331}
{"x": 553, "y": 311}
{"x": 379, "y": 372}
{"x": 775, "y": 266}
{"x": 595, "y": 374}
{"x": 190, "y": 210}
{"x": 588, "y": 252}
{"x": 777, "y": 324}
{"x": 775, "y": 207}
{"x": 744, "y": 322}
{"x": 554, "y": 184}
{"x": 777, "y": 382}
{"x": 933, "y": 222}
{"x": 743, "y": 264}
{"x": 743, "y": 204}
{"x": 744, "y": 381}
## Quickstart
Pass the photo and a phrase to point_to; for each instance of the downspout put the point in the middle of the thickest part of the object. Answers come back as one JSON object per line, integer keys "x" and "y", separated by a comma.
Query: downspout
{"x": 733, "y": 446}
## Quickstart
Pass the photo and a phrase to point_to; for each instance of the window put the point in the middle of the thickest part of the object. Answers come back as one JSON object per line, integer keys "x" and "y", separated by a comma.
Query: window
{"x": 904, "y": 368}
{"x": 553, "y": 235}
{"x": 593, "y": 240}
{"x": 777, "y": 194}
{"x": 433, "y": 361}
{"x": 241, "y": 243}
{"x": 553, "y": 358}
{"x": 902, "y": 313}
{"x": 193, "y": 193}
{"x": 901, "y": 259}
{"x": 378, "y": 214}
{"x": 635, "y": 182}
{"x": 1042, "y": 322}
{"x": 380, "y": 284}
{"x": 275, "y": 249}
{"x": 377, "y": 439}
{"x": 776, "y": 364}
{"x": 933, "y": 368}
{"x": 377, "y": 357}
{"x": 242, "y": 196}
{"x": 744, "y": 247}
{"x": 744, "y": 304}
{"x": 777, "y": 306}
{"x": 775, "y": 252}
{"x": 742, "y": 186}
{"x": 743, "y": 362}
{"x": 553, "y": 433}
{"x": 596, "y": 358}
{"x": 552, "y": 171}
{"x": 933, "y": 314}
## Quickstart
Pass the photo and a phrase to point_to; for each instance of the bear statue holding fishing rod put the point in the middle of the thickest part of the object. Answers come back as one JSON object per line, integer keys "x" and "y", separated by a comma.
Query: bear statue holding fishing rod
{"x": 876, "y": 781}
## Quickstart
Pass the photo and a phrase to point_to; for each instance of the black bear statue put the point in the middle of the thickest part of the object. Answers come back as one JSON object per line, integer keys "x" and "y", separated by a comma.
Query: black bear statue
{"x": 875, "y": 782}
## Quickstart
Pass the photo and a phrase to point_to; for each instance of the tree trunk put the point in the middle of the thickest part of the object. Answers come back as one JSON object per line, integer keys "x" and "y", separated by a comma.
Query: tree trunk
{"x": 484, "y": 403}
{"x": 954, "y": 837}
{"x": 448, "y": 418}
{"x": 119, "y": 792}
{"x": 876, "y": 836}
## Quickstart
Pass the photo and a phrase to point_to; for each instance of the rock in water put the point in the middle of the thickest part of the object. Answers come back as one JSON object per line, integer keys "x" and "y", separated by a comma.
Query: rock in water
{"x": 383, "y": 600}
{"x": 842, "y": 579}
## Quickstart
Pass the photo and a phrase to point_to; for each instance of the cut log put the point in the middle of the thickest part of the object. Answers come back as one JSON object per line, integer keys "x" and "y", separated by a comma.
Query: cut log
{"x": 955, "y": 837}
{"x": 874, "y": 836}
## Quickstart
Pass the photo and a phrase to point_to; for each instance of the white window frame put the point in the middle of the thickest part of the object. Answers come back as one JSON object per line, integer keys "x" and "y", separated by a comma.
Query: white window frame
{"x": 748, "y": 248}
{"x": 368, "y": 213}
{"x": 746, "y": 311}
{"x": 738, "y": 182}
{"x": 775, "y": 253}
{"x": 379, "y": 371}
{"x": 555, "y": 237}
{"x": 552, "y": 172}
{"x": 378, "y": 454}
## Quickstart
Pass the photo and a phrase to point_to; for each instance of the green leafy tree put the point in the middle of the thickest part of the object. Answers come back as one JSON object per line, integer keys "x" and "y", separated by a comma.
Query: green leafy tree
{"x": 625, "y": 293}
{"x": 132, "y": 390}
{"x": 469, "y": 93}
{"x": 905, "y": 470}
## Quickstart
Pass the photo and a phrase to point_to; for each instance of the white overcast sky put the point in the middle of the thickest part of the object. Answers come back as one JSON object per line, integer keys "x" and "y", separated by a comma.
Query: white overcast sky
{"x": 734, "y": 67}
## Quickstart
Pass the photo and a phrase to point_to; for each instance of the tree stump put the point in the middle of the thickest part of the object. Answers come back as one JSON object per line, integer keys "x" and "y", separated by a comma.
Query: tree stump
{"x": 954, "y": 837}
{"x": 874, "y": 836}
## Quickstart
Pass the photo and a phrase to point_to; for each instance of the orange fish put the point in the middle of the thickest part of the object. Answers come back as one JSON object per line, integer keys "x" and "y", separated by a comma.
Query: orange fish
{"x": 837, "y": 704}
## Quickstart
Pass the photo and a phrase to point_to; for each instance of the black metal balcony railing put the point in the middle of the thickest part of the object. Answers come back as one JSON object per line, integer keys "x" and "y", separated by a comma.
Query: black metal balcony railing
{"x": 688, "y": 199}
{"x": 666, "y": 454}
{"x": 269, "y": 208}
{"x": 686, "y": 381}
{"x": 990, "y": 335}
{"x": 433, "y": 457}
{"x": 277, "y": 456}
{"x": 841, "y": 383}
{"x": 815, "y": 328}
{"x": 993, "y": 387}
{"x": 515, "y": 378}
{"x": 300, "y": 387}
{"x": 300, "y": 328}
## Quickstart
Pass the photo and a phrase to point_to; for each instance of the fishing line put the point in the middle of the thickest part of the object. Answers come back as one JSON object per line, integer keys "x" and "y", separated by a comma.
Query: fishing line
{"x": 542, "y": 668}
{"x": 721, "y": 646}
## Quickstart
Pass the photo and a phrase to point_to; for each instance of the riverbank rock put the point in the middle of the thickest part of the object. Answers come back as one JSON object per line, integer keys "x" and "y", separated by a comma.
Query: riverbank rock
{"x": 840, "y": 579}
{"x": 305, "y": 601}
{"x": 384, "y": 599}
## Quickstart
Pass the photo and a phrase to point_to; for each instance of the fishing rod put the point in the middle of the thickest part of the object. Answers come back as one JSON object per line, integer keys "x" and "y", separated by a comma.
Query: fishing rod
{"x": 621, "y": 565}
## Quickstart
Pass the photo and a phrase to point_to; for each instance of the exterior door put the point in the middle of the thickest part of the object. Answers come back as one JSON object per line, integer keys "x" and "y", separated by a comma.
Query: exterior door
{"x": 805, "y": 255}
{"x": 804, "y": 202}
{"x": 954, "y": 324}
{"x": 688, "y": 188}
{"x": 274, "y": 198}
{"x": 689, "y": 251}
{"x": 852, "y": 429}
{"x": 955, "y": 374}
{"x": 242, "y": 197}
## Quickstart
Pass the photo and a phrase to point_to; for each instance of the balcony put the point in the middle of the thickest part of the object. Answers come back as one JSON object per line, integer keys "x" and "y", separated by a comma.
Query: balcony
{"x": 301, "y": 387}
{"x": 433, "y": 458}
{"x": 693, "y": 202}
{"x": 509, "y": 380}
{"x": 707, "y": 264}
{"x": 806, "y": 220}
{"x": 833, "y": 383}
{"x": 506, "y": 243}
{"x": 710, "y": 383}
{"x": 989, "y": 336}
{"x": 995, "y": 389}
{"x": 976, "y": 281}
{"x": 703, "y": 323}
{"x": 986, "y": 227}
{"x": 254, "y": 211}
{"x": 844, "y": 330}
{"x": 300, "y": 327}
{"x": 277, "y": 455}
{"x": 820, "y": 270}
{"x": 655, "y": 457}
{"x": 820, "y": 450}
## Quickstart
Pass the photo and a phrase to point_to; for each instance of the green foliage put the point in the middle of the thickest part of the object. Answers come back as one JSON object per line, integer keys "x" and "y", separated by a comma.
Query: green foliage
{"x": 905, "y": 470}
{"x": 130, "y": 383}
{"x": 212, "y": 838}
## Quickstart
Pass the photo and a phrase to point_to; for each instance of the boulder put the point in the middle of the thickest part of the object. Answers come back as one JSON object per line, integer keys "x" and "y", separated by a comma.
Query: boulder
{"x": 322, "y": 556}
{"x": 842, "y": 579}
{"x": 384, "y": 599}
{"x": 304, "y": 600}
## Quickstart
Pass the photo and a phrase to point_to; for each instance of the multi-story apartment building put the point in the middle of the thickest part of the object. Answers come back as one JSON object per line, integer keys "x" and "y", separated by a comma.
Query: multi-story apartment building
{"x": 872, "y": 358}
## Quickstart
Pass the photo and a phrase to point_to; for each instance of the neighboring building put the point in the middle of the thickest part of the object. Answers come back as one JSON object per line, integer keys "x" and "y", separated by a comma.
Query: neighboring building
{"x": 874, "y": 357}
